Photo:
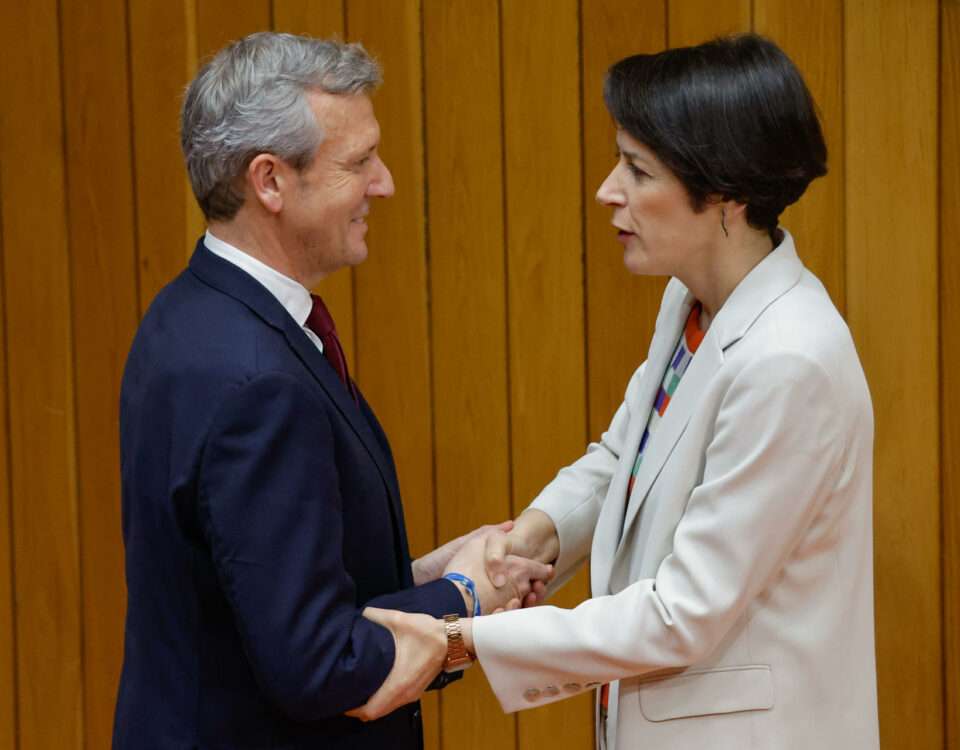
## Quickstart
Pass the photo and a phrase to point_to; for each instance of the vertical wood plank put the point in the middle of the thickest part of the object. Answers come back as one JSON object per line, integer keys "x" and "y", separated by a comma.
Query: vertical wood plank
{"x": 545, "y": 287}
{"x": 891, "y": 195}
{"x": 8, "y": 639}
{"x": 104, "y": 314}
{"x": 468, "y": 315}
{"x": 950, "y": 357}
{"x": 41, "y": 401}
{"x": 812, "y": 35}
{"x": 696, "y": 21}
{"x": 391, "y": 292}
{"x": 222, "y": 21}
{"x": 162, "y": 60}
{"x": 621, "y": 308}
{"x": 325, "y": 20}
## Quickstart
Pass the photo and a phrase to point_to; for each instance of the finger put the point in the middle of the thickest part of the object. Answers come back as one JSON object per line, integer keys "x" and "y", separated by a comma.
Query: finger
{"x": 377, "y": 615}
{"x": 530, "y": 600}
{"x": 505, "y": 526}
{"x": 513, "y": 604}
{"x": 496, "y": 549}
{"x": 539, "y": 588}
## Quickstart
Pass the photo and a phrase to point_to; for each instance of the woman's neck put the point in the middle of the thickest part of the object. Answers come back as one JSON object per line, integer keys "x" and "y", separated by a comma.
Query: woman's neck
{"x": 727, "y": 265}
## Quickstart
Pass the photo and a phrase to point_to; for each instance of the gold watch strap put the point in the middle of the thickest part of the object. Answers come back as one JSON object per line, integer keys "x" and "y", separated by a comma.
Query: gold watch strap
{"x": 457, "y": 656}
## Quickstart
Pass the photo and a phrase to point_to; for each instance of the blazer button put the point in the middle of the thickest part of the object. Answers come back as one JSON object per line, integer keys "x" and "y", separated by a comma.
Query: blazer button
{"x": 572, "y": 687}
{"x": 531, "y": 694}
{"x": 551, "y": 690}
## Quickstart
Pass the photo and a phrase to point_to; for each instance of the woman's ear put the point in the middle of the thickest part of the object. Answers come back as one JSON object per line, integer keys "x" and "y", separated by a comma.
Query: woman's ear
{"x": 266, "y": 178}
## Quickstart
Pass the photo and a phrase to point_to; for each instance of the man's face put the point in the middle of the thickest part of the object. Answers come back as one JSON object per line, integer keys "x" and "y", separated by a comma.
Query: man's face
{"x": 326, "y": 207}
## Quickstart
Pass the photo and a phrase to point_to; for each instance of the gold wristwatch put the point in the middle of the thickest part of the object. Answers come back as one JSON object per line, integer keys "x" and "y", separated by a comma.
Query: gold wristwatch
{"x": 457, "y": 657}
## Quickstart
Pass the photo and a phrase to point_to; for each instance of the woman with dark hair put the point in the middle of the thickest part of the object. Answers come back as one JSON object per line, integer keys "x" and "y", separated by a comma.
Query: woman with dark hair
{"x": 726, "y": 511}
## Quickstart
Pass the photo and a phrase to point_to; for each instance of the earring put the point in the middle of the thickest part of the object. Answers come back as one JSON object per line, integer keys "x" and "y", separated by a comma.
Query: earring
{"x": 723, "y": 222}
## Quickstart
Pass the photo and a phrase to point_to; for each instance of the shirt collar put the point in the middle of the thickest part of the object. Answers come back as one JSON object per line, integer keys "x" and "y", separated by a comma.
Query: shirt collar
{"x": 294, "y": 297}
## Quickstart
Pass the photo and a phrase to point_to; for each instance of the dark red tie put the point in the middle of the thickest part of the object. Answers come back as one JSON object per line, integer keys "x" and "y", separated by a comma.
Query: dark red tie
{"x": 321, "y": 323}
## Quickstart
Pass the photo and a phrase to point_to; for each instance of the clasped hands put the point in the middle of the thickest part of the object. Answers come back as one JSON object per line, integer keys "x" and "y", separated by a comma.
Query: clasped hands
{"x": 509, "y": 566}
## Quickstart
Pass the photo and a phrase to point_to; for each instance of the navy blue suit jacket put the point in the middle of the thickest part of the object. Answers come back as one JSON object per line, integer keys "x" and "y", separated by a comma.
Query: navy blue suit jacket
{"x": 261, "y": 513}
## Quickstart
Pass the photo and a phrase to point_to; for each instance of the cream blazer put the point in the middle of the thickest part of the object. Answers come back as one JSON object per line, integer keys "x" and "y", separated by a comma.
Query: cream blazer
{"x": 746, "y": 618}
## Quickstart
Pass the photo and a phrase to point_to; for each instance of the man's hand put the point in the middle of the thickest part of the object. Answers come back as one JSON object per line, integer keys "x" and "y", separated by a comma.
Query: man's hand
{"x": 523, "y": 580}
{"x": 432, "y": 565}
{"x": 421, "y": 649}
{"x": 534, "y": 536}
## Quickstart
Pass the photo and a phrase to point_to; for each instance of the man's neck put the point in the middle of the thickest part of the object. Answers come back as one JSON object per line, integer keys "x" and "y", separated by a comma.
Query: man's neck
{"x": 255, "y": 242}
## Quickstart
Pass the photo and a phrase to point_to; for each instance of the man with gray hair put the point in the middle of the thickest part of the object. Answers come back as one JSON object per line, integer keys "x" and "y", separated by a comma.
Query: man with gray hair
{"x": 261, "y": 512}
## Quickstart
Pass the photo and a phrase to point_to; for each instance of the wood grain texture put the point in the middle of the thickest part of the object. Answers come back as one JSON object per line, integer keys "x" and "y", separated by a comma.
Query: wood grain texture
{"x": 325, "y": 20}
{"x": 621, "y": 308}
{"x": 220, "y": 22}
{"x": 891, "y": 196}
{"x": 468, "y": 307}
{"x": 40, "y": 381}
{"x": 104, "y": 314}
{"x": 950, "y": 357}
{"x": 391, "y": 286}
{"x": 8, "y": 638}
{"x": 812, "y": 35}
{"x": 545, "y": 287}
{"x": 162, "y": 61}
{"x": 696, "y": 21}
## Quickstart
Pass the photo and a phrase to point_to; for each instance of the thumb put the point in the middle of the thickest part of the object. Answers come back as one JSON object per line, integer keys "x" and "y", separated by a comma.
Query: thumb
{"x": 496, "y": 549}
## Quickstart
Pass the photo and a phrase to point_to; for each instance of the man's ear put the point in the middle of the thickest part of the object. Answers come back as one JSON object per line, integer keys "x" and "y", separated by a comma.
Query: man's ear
{"x": 266, "y": 177}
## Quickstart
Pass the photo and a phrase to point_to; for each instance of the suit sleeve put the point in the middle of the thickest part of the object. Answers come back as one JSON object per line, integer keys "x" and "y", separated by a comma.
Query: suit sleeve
{"x": 271, "y": 511}
{"x": 574, "y": 498}
{"x": 771, "y": 465}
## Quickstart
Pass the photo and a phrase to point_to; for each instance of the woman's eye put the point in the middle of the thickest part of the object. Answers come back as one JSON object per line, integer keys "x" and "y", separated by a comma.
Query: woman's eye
{"x": 636, "y": 171}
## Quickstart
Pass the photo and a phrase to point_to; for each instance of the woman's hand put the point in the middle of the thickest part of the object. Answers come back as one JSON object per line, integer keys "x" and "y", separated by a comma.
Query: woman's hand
{"x": 534, "y": 535}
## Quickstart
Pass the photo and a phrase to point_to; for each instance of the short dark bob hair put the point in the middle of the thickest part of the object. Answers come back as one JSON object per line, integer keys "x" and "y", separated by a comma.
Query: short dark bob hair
{"x": 730, "y": 118}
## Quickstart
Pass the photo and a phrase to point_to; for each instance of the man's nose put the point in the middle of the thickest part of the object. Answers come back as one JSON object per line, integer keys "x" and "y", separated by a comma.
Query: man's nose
{"x": 382, "y": 184}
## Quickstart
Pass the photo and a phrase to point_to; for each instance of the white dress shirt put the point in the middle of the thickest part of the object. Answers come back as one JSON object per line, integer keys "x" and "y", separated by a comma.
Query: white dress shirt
{"x": 294, "y": 297}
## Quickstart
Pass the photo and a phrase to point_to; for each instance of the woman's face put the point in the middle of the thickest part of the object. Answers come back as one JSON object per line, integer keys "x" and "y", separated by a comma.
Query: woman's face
{"x": 661, "y": 233}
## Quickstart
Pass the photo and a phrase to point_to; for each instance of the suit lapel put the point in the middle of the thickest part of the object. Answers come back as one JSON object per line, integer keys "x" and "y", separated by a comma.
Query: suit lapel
{"x": 771, "y": 278}
{"x": 238, "y": 284}
{"x": 673, "y": 314}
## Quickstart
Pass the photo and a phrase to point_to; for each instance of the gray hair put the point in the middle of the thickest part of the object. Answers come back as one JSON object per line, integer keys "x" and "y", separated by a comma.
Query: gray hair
{"x": 251, "y": 99}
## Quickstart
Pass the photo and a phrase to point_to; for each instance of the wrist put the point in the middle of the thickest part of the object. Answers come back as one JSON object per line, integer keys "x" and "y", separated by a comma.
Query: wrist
{"x": 468, "y": 590}
{"x": 537, "y": 534}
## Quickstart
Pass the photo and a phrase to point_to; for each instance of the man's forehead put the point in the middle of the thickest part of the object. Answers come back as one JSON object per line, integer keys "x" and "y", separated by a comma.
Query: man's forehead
{"x": 345, "y": 118}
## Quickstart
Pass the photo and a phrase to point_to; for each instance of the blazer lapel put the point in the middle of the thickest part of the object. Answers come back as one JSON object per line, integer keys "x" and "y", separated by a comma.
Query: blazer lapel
{"x": 768, "y": 280}
{"x": 235, "y": 282}
{"x": 670, "y": 321}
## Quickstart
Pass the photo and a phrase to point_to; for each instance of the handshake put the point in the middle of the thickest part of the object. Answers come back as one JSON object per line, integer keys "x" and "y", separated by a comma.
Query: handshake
{"x": 509, "y": 566}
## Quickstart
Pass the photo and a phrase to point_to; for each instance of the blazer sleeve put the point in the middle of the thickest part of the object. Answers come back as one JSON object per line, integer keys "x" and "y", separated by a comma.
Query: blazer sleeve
{"x": 575, "y": 496}
{"x": 270, "y": 507}
{"x": 774, "y": 458}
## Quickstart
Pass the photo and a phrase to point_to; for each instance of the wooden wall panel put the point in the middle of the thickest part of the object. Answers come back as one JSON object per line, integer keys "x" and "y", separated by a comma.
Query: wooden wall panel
{"x": 811, "y": 34}
{"x": 545, "y": 309}
{"x": 8, "y": 639}
{"x": 621, "y": 308}
{"x": 104, "y": 314}
{"x": 162, "y": 61}
{"x": 222, "y": 21}
{"x": 950, "y": 356}
{"x": 41, "y": 398}
{"x": 325, "y": 20}
{"x": 391, "y": 286}
{"x": 695, "y": 21}
{"x": 891, "y": 197}
{"x": 468, "y": 301}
